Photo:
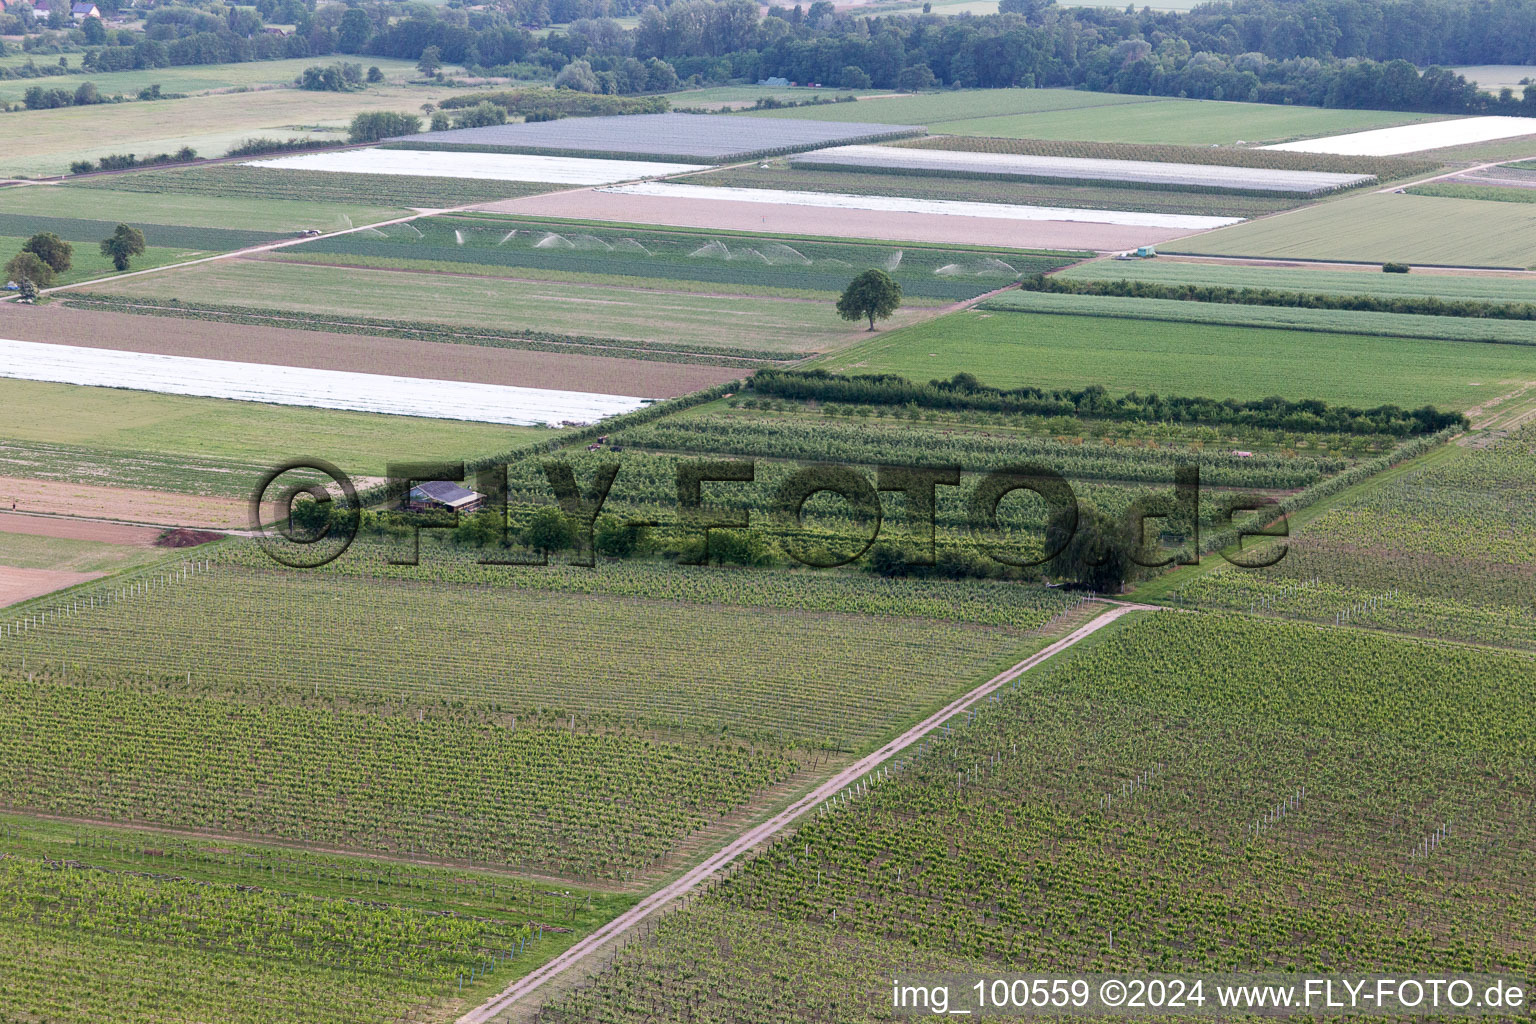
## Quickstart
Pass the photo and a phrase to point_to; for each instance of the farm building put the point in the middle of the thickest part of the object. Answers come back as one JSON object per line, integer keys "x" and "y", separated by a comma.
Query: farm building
{"x": 81, "y": 11}
{"x": 442, "y": 495}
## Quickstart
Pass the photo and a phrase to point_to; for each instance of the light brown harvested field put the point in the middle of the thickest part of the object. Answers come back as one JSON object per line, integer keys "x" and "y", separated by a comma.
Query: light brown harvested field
{"x": 726, "y": 215}
{"x": 20, "y": 584}
{"x": 361, "y": 353}
{"x": 77, "y": 529}
{"x": 90, "y": 501}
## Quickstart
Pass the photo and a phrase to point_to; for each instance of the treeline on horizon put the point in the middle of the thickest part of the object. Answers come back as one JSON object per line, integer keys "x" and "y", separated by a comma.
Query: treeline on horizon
{"x": 1333, "y": 53}
{"x": 1426, "y": 305}
{"x": 963, "y": 392}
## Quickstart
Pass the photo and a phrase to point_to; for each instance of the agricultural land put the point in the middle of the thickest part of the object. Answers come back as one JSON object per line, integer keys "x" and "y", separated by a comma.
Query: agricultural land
{"x": 572, "y": 513}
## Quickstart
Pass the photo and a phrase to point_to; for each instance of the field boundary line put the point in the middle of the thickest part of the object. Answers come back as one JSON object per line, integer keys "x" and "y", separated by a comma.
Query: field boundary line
{"x": 723, "y": 857}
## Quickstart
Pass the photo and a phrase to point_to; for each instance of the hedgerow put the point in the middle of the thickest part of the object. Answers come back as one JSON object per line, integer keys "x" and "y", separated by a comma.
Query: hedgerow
{"x": 965, "y": 392}
{"x": 1426, "y": 305}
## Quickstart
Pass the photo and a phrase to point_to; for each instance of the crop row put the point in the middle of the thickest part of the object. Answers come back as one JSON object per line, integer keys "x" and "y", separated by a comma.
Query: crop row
{"x": 310, "y": 872}
{"x": 330, "y": 932}
{"x": 1190, "y": 793}
{"x": 1454, "y": 539}
{"x": 72, "y": 229}
{"x": 1131, "y": 433}
{"x": 819, "y": 678}
{"x": 421, "y": 330}
{"x": 982, "y": 602}
{"x": 401, "y": 777}
{"x": 1264, "y": 316}
{"x": 128, "y": 468}
{"x": 66, "y": 977}
{"x": 974, "y": 450}
{"x": 645, "y": 488}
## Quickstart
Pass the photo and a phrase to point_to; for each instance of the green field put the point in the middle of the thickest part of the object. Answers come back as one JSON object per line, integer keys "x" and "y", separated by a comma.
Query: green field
{"x": 87, "y": 263}
{"x": 1486, "y": 287}
{"x": 1442, "y": 550}
{"x": 937, "y": 108}
{"x": 28, "y": 551}
{"x": 1016, "y": 349}
{"x": 1219, "y": 794}
{"x": 837, "y": 680}
{"x": 1469, "y": 189}
{"x": 293, "y": 188}
{"x": 1105, "y": 117}
{"x": 623, "y": 311}
{"x": 1336, "y": 321}
{"x": 1376, "y": 228}
{"x": 308, "y": 936}
{"x": 500, "y": 245}
{"x": 209, "y": 445}
{"x": 196, "y": 78}
{"x": 263, "y": 214}
{"x": 1184, "y": 122}
{"x": 46, "y": 142}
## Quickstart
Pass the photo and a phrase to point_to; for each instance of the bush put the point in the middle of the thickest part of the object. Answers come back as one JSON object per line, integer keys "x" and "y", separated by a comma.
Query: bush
{"x": 382, "y": 124}
{"x": 853, "y": 77}
{"x": 51, "y": 249}
{"x": 258, "y": 146}
{"x": 481, "y": 116}
{"x": 124, "y": 161}
{"x": 577, "y": 75}
{"x": 27, "y": 267}
{"x": 335, "y": 78}
{"x": 1394, "y": 268}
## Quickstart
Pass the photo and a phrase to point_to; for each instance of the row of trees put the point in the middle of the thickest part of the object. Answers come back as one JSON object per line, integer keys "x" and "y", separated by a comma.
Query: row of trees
{"x": 965, "y": 392}
{"x": 1341, "y": 53}
{"x": 45, "y": 255}
{"x": 1338, "y": 53}
{"x": 1424, "y": 305}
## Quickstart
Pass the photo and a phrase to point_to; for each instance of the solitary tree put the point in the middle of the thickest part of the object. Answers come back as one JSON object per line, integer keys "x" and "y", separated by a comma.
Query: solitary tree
{"x": 51, "y": 249}
{"x": 872, "y": 295}
{"x": 26, "y": 268}
{"x": 126, "y": 242}
{"x": 431, "y": 61}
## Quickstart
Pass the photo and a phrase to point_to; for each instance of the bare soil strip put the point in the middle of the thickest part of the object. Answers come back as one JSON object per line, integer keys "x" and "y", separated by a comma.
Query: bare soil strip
{"x": 77, "y": 529}
{"x": 759, "y": 833}
{"x": 91, "y": 501}
{"x": 727, "y": 215}
{"x": 359, "y": 353}
{"x": 21, "y": 584}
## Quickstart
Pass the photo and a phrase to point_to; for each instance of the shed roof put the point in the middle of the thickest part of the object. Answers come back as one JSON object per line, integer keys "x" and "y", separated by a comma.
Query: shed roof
{"x": 443, "y": 491}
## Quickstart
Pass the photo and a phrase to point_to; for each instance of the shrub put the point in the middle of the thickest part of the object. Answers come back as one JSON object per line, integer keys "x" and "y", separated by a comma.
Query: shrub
{"x": 479, "y": 117}
{"x": 28, "y": 267}
{"x": 382, "y": 124}
{"x": 1394, "y": 268}
{"x": 51, "y": 249}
